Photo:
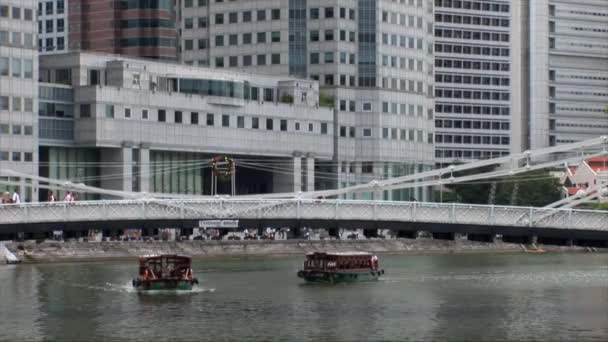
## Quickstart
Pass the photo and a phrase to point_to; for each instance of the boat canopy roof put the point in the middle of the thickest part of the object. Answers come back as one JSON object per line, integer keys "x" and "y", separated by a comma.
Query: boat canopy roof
{"x": 340, "y": 254}
{"x": 169, "y": 257}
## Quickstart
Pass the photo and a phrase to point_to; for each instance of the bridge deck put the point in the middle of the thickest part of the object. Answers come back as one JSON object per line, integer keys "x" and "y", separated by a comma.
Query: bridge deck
{"x": 306, "y": 210}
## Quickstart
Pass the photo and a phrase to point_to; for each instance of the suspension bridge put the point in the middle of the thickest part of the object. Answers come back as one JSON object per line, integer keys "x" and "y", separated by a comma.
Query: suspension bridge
{"x": 557, "y": 223}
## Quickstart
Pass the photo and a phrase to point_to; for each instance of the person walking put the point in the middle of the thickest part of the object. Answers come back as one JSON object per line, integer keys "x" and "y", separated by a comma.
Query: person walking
{"x": 16, "y": 198}
{"x": 69, "y": 197}
{"x": 52, "y": 197}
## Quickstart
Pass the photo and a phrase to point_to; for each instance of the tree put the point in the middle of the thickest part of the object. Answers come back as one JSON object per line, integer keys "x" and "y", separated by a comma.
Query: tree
{"x": 535, "y": 188}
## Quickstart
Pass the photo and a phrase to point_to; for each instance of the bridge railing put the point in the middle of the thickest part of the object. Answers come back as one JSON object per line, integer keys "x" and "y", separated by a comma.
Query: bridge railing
{"x": 449, "y": 213}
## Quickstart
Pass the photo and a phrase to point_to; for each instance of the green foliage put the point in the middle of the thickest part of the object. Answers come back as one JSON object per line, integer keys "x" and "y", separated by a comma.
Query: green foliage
{"x": 535, "y": 188}
{"x": 286, "y": 98}
{"x": 326, "y": 100}
{"x": 601, "y": 206}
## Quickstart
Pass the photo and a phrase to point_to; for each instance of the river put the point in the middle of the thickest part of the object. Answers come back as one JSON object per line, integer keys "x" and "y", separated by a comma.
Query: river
{"x": 506, "y": 297}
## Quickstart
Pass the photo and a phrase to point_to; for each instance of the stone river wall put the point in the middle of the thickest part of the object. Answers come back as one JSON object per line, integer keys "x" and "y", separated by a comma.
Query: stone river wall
{"x": 91, "y": 251}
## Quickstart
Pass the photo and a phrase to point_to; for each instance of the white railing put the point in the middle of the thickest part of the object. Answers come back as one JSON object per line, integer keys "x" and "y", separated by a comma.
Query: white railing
{"x": 293, "y": 209}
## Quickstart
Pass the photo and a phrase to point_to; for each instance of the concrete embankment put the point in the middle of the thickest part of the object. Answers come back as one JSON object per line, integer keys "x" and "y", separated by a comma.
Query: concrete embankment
{"x": 92, "y": 251}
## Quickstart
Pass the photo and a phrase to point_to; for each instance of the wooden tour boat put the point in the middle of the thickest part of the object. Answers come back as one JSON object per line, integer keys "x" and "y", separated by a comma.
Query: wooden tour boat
{"x": 164, "y": 272}
{"x": 340, "y": 267}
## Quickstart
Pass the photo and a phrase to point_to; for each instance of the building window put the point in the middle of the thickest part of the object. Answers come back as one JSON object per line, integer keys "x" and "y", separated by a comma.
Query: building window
{"x": 275, "y": 36}
{"x": 178, "y": 117}
{"x": 144, "y": 114}
{"x": 275, "y": 58}
{"x": 283, "y": 125}
{"x": 210, "y": 119}
{"x": 240, "y": 122}
{"x": 110, "y": 111}
{"x": 323, "y": 127}
{"x": 225, "y": 120}
{"x": 162, "y": 115}
{"x": 367, "y": 167}
{"x": 194, "y": 118}
{"x": 85, "y": 110}
{"x": 269, "y": 124}
{"x": 276, "y": 14}
{"x": 255, "y": 123}
{"x": 261, "y": 14}
{"x": 127, "y": 113}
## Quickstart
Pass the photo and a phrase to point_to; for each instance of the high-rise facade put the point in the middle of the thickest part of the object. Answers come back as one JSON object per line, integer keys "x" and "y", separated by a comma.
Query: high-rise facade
{"x": 568, "y": 71}
{"x": 127, "y": 27}
{"x": 479, "y": 104}
{"x": 52, "y": 26}
{"x": 18, "y": 95}
{"x": 372, "y": 58}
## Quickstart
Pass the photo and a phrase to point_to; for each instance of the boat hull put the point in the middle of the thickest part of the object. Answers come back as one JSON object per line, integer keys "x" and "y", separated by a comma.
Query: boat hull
{"x": 339, "y": 277}
{"x": 164, "y": 284}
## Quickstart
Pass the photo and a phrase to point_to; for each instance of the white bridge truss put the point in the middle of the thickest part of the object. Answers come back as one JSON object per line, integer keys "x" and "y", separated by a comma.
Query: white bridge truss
{"x": 139, "y": 211}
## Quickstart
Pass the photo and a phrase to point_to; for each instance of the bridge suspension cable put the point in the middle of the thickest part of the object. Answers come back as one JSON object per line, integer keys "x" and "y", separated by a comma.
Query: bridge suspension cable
{"x": 403, "y": 182}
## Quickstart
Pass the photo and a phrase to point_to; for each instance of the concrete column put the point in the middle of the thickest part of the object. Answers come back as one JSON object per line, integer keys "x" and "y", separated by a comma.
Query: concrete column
{"x": 378, "y": 175}
{"x": 297, "y": 174}
{"x": 310, "y": 173}
{"x": 127, "y": 168}
{"x": 144, "y": 169}
{"x": 283, "y": 182}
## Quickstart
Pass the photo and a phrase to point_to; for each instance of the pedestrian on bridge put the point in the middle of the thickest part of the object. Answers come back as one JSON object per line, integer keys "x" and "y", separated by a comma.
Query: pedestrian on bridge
{"x": 16, "y": 198}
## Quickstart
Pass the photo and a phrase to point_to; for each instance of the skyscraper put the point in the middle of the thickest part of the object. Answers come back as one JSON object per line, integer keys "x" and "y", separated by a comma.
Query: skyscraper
{"x": 568, "y": 71}
{"x": 480, "y": 108}
{"x": 133, "y": 28}
{"x": 373, "y": 59}
{"x": 18, "y": 95}
{"x": 52, "y": 26}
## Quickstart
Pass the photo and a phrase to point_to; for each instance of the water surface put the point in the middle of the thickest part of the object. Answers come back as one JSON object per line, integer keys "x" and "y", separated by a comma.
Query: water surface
{"x": 450, "y": 297}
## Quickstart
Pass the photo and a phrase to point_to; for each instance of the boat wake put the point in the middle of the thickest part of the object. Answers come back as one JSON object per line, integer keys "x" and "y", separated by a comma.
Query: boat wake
{"x": 128, "y": 288}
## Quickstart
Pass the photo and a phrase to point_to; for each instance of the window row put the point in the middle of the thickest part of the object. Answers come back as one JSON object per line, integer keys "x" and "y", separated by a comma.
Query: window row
{"x": 469, "y": 109}
{"x": 397, "y": 84}
{"x": 468, "y": 79}
{"x": 16, "y": 156}
{"x": 471, "y": 65}
{"x": 473, "y": 5}
{"x": 402, "y": 41}
{"x": 247, "y": 16}
{"x": 403, "y": 63}
{"x": 406, "y": 135}
{"x": 16, "y": 13}
{"x": 211, "y": 120}
{"x": 5, "y": 129}
{"x": 577, "y": 77}
{"x": 17, "y": 39}
{"x": 582, "y": 125}
{"x": 51, "y": 44}
{"x": 402, "y": 19}
{"x": 471, "y": 20}
{"x": 16, "y": 67}
{"x": 328, "y": 58}
{"x": 16, "y": 104}
{"x": 472, "y": 50}
{"x": 471, "y": 139}
{"x": 46, "y": 7}
{"x": 247, "y": 38}
{"x": 404, "y": 109}
{"x": 472, "y": 94}
{"x": 247, "y": 60}
{"x": 472, "y": 35}
{"x": 467, "y": 154}
{"x": 473, "y": 124}
{"x": 51, "y": 26}
{"x": 579, "y": 109}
